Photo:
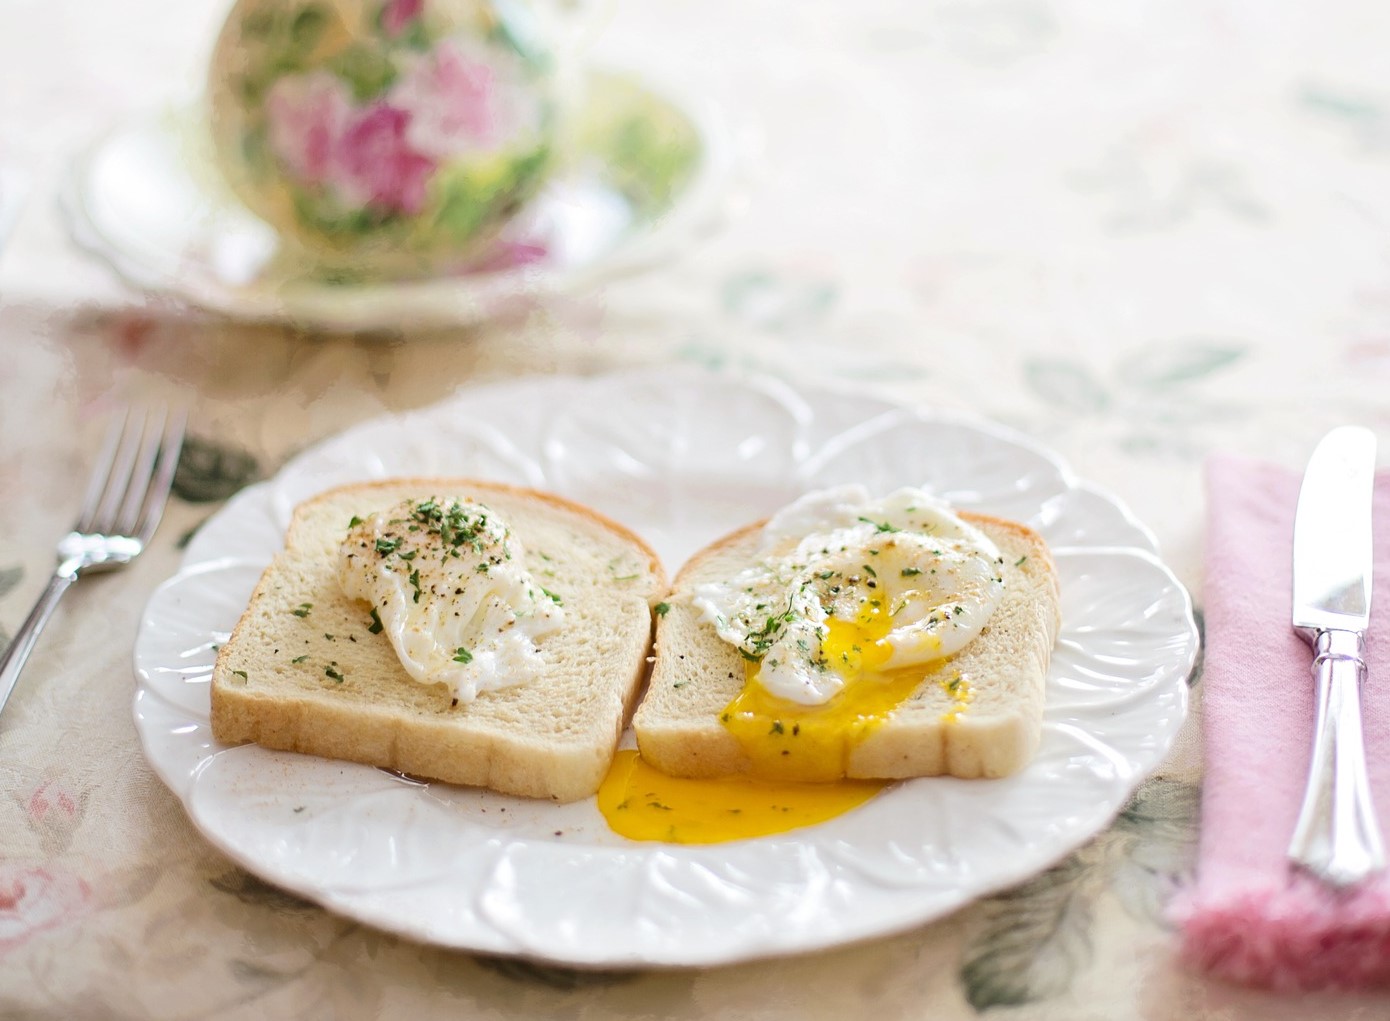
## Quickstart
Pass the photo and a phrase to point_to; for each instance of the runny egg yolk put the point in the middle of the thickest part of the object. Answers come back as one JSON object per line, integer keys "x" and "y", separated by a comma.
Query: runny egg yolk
{"x": 813, "y": 742}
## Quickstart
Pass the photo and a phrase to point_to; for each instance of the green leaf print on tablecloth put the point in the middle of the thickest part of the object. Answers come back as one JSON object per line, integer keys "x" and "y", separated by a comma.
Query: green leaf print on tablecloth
{"x": 781, "y": 320}
{"x": 1166, "y": 365}
{"x": 521, "y": 970}
{"x": 1364, "y": 116}
{"x": 1031, "y": 941}
{"x": 777, "y": 303}
{"x": 210, "y": 471}
{"x": 1151, "y": 396}
{"x": 254, "y": 891}
{"x": 1034, "y": 939}
{"x": 1158, "y": 833}
{"x": 1068, "y": 386}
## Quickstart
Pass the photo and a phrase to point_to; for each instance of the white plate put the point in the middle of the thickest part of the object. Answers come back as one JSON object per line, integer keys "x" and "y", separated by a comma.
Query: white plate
{"x": 681, "y": 457}
{"x": 147, "y": 200}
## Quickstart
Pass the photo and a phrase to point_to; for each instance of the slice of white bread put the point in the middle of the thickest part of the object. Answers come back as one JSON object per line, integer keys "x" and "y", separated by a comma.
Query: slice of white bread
{"x": 303, "y": 672}
{"x": 696, "y": 674}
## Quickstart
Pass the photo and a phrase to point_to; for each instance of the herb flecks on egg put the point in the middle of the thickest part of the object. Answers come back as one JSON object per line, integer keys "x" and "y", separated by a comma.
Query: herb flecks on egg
{"x": 446, "y": 585}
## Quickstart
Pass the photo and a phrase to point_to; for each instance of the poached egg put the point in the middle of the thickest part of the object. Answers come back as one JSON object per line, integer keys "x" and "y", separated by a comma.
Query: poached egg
{"x": 851, "y": 602}
{"x": 447, "y": 583}
{"x": 846, "y": 585}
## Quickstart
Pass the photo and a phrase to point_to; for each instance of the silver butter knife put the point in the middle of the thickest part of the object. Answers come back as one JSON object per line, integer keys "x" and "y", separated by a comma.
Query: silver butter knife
{"x": 1336, "y": 837}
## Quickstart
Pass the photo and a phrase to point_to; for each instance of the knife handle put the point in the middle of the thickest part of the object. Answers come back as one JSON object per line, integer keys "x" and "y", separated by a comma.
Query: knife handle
{"x": 1336, "y": 837}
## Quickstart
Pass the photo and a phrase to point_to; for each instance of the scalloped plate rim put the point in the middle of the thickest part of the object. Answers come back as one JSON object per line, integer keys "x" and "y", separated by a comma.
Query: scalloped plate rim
{"x": 374, "y": 907}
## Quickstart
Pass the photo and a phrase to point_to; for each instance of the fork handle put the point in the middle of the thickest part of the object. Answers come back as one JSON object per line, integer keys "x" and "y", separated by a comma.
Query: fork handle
{"x": 23, "y": 642}
{"x": 1336, "y": 836}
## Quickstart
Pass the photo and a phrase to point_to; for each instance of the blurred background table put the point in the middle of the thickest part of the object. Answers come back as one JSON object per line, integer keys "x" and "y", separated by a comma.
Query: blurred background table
{"x": 1138, "y": 231}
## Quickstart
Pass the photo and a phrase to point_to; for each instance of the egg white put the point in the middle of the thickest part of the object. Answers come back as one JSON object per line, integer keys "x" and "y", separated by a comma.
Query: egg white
{"x": 447, "y": 582}
{"x": 911, "y": 580}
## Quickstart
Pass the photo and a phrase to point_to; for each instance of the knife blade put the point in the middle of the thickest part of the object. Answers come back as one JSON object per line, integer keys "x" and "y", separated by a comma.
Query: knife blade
{"x": 1336, "y": 837}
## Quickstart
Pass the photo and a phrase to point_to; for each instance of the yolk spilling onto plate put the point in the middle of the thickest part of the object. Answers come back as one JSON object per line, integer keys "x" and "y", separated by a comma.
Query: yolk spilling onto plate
{"x": 799, "y": 753}
{"x": 641, "y": 803}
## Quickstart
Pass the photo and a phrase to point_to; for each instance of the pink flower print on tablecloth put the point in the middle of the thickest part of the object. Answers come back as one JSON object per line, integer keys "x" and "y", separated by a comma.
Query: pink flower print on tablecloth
{"x": 49, "y": 798}
{"x": 306, "y": 116}
{"x": 35, "y": 899}
{"x": 376, "y": 166}
{"x": 54, "y": 814}
{"x": 397, "y": 15}
{"x": 465, "y": 99}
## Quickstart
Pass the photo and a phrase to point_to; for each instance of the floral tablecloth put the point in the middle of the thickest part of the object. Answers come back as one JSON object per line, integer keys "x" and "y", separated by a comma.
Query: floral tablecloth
{"x": 1138, "y": 231}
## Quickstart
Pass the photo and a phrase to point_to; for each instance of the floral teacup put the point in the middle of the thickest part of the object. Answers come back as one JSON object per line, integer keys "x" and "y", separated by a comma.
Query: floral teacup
{"x": 384, "y": 137}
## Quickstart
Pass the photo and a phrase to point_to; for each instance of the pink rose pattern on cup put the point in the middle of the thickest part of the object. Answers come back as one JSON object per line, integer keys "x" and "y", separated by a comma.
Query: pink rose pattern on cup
{"x": 387, "y": 137}
{"x": 307, "y": 115}
{"x": 398, "y": 15}
{"x": 463, "y": 102}
{"x": 459, "y": 100}
{"x": 375, "y": 166}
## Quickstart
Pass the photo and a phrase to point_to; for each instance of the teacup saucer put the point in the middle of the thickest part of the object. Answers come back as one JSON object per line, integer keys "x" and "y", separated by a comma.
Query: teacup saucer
{"x": 646, "y": 175}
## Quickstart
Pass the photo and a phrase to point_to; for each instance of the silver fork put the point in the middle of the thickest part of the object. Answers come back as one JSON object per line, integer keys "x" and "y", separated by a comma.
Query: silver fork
{"x": 124, "y": 502}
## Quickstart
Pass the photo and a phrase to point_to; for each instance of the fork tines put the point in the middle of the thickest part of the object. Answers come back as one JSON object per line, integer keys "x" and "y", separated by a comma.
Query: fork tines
{"x": 139, "y": 455}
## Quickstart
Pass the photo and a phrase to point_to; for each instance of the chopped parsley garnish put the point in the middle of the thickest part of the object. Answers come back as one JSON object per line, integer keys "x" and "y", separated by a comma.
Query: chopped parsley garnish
{"x": 872, "y": 572}
{"x": 880, "y": 526}
{"x": 375, "y": 628}
{"x": 302, "y": 610}
{"x": 662, "y": 609}
{"x": 758, "y": 642}
{"x": 462, "y": 655}
{"x": 1020, "y": 560}
{"x": 354, "y": 522}
{"x": 911, "y": 572}
{"x": 415, "y": 583}
{"x": 299, "y": 659}
{"x": 332, "y": 672}
{"x": 388, "y": 546}
{"x": 553, "y": 597}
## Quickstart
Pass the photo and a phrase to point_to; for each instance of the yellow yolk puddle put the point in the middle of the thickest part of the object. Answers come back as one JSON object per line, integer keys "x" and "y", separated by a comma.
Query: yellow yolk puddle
{"x": 641, "y": 803}
{"x": 799, "y": 752}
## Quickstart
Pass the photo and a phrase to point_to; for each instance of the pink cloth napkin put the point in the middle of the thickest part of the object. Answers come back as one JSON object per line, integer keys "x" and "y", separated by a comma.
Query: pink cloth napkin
{"x": 1248, "y": 918}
